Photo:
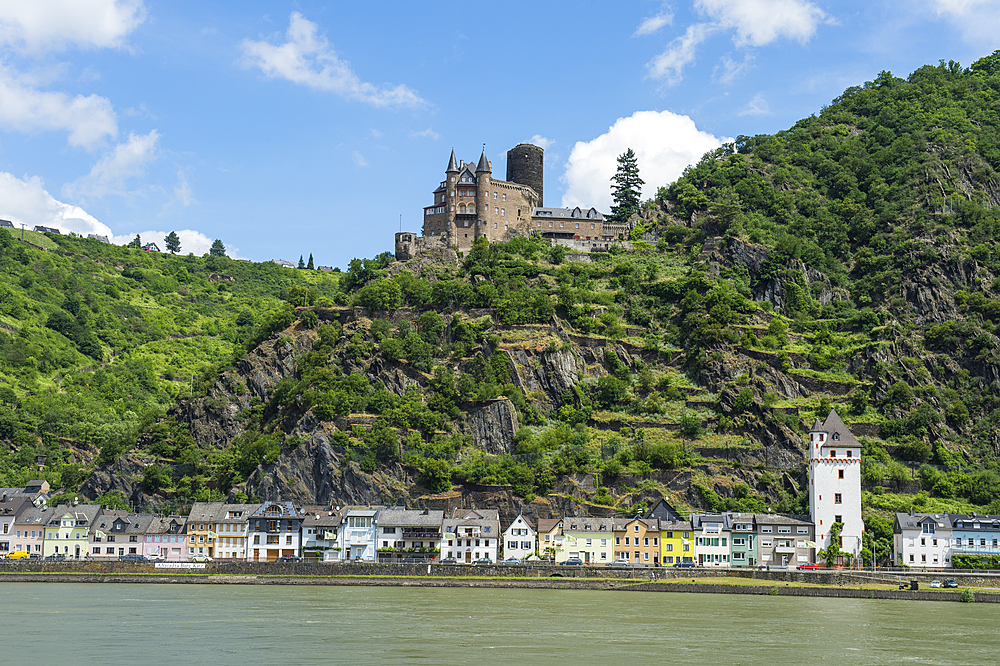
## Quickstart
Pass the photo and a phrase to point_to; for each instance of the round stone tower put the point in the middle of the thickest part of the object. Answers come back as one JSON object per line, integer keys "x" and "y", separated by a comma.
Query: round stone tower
{"x": 524, "y": 167}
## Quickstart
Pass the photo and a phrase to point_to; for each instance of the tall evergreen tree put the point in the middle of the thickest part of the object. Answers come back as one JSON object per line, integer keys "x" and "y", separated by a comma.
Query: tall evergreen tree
{"x": 136, "y": 243}
{"x": 173, "y": 242}
{"x": 627, "y": 187}
{"x": 310, "y": 265}
{"x": 218, "y": 249}
{"x": 302, "y": 264}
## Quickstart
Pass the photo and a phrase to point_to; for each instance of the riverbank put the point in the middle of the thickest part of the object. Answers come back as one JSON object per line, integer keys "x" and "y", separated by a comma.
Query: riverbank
{"x": 704, "y": 582}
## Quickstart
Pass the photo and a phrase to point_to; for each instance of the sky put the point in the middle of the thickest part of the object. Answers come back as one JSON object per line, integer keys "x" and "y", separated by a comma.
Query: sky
{"x": 294, "y": 128}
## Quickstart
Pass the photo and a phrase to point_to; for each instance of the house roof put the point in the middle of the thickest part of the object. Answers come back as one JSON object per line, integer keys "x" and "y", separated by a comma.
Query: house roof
{"x": 10, "y": 508}
{"x": 780, "y": 519}
{"x": 546, "y": 525}
{"x": 484, "y": 164}
{"x": 621, "y": 524}
{"x": 914, "y": 521}
{"x": 581, "y": 524}
{"x": 321, "y": 516}
{"x": 527, "y": 521}
{"x": 569, "y": 213}
{"x": 33, "y": 515}
{"x": 400, "y": 516}
{"x": 86, "y": 513}
{"x": 162, "y": 524}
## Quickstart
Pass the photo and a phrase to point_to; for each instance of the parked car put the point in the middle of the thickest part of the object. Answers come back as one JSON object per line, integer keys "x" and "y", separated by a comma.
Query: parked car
{"x": 684, "y": 565}
{"x": 131, "y": 557}
{"x": 573, "y": 562}
{"x": 200, "y": 558}
{"x": 448, "y": 560}
{"x": 620, "y": 563}
{"x": 155, "y": 557}
{"x": 18, "y": 555}
{"x": 510, "y": 560}
{"x": 483, "y": 560}
{"x": 807, "y": 565}
{"x": 414, "y": 559}
{"x": 56, "y": 556}
{"x": 936, "y": 584}
{"x": 289, "y": 558}
{"x": 950, "y": 582}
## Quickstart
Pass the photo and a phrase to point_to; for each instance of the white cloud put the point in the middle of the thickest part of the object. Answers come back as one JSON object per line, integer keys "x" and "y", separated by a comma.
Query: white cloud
{"x": 541, "y": 142}
{"x": 977, "y": 20}
{"x": 754, "y": 22}
{"x": 760, "y": 22}
{"x": 427, "y": 134}
{"x": 108, "y": 176}
{"x": 758, "y": 106}
{"x": 664, "y": 144}
{"x": 25, "y": 109}
{"x": 730, "y": 69}
{"x": 651, "y": 24}
{"x": 308, "y": 59}
{"x": 679, "y": 53}
{"x": 27, "y": 201}
{"x": 359, "y": 159}
{"x": 37, "y": 26}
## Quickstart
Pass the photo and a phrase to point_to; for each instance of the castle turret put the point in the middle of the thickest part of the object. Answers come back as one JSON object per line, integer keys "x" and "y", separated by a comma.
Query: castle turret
{"x": 524, "y": 167}
{"x": 484, "y": 164}
{"x": 835, "y": 483}
{"x": 452, "y": 163}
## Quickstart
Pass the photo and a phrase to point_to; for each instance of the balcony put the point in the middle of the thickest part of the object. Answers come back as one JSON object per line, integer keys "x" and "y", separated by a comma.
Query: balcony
{"x": 421, "y": 534}
{"x": 785, "y": 550}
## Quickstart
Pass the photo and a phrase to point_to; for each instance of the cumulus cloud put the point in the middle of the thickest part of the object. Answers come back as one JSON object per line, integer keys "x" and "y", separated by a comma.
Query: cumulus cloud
{"x": 108, "y": 176}
{"x": 23, "y": 108}
{"x": 977, "y": 20}
{"x": 651, "y": 24}
{"x": 36, "y": 26}
{"x": 664, "y": 144}
{"x": 541, "y": 142}
{"x": 28, "y": 202}
{"x": 308, "y": 59}
{"x": 754, "y": 23}
{"x": 758, "y": 106}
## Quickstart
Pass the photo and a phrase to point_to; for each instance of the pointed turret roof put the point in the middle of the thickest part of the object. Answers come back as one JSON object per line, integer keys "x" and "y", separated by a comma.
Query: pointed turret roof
{"x": 834, "y": 425}
{"x": 452, "y": 163}
{"x": 484, "y": 164}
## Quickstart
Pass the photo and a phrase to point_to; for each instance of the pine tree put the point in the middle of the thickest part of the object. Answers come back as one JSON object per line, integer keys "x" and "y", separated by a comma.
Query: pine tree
{"x": 302, "y": 264}
{"x": 218, "y": 249}
{"x": 310, "y": 266}
{"x": 136, "y": 243}
{"x": 173, "y": 242}
{"x": 626, "y": 189}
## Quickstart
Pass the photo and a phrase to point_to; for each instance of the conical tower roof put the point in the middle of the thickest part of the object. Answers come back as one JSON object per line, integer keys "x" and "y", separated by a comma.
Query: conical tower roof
{"x": 484, "y": 164}
{"x": 452, "y": 163}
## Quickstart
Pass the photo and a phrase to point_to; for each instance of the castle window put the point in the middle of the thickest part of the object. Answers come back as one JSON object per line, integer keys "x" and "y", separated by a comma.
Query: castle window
{"x": 503, "y": 212}
{"x": 577, "y": 225}
{"x": 494, "y": 195}
{"x": 562, "y": 224}
{"x": 472, "y": 209}
{"x": 461, "y": 208}
{"x": 494, "y": 225}
{"x": 550, "y": 225}
{"x": 505, "y": 197}
{"x": 496, "y": 210}
{"x": 592, "y": 226}
{"x": 505, "y": 227}
{"x": 453, "y": 193}
{"x": 539, "y": 224}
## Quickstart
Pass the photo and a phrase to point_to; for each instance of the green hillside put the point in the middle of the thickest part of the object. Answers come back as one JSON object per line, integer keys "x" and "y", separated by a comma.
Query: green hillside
{"x": 849, "y": 262}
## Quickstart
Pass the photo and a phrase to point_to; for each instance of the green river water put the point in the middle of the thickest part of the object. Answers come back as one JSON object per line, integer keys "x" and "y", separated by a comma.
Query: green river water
{"x": 72, "y": 623}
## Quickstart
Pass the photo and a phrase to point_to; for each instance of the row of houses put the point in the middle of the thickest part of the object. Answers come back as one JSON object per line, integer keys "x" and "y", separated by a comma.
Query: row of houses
{"x": 933, "y": 540}
{"x": 267, "y": 531}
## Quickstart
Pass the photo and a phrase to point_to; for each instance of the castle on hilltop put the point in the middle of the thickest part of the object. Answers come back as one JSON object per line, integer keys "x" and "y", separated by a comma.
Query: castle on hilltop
{"x": 469, "y": 203}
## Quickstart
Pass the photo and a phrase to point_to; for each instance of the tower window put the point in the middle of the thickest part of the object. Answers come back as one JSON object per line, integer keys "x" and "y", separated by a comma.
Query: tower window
{"x": 833, "y": 454}
{"x": 840, "y": 473}
{"x": 838, "y": 519}
{"x": 849, "y": 454}
{"x": 838, "y": 499}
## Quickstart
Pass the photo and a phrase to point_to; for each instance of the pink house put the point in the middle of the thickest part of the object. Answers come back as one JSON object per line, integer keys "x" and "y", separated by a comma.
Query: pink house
{"x": 165, "y": 539}
{"x": 29, "y": 529}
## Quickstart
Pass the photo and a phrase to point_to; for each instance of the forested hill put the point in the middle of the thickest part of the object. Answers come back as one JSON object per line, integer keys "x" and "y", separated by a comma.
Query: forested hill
{"x": 848, "y": 262}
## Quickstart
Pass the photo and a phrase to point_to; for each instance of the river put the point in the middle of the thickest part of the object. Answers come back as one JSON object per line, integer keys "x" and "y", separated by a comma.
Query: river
{"x": 76, "y": 623}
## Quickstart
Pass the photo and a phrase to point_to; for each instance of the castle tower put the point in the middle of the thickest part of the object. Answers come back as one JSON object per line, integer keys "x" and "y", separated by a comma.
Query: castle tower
{"x": 835, "y": 483}
{"x": 524, "y": 167}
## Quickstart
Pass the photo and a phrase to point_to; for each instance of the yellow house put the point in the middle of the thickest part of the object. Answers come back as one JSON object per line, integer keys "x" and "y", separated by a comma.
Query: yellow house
{"x": 676, "y": 543}
{"x": 548, "y": 529}
{"x": 68, "y": 530}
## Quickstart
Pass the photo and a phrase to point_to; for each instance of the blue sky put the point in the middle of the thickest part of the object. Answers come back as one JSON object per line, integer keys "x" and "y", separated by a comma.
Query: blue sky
{"x": 290, "y": 128}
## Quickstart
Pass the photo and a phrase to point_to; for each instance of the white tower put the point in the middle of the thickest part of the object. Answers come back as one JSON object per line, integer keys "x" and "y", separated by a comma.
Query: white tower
{"x": 835, "y": 483}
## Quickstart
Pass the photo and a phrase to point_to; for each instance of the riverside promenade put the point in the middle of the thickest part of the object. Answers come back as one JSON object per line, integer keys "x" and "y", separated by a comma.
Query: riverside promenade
{"x": 835, "y": 583}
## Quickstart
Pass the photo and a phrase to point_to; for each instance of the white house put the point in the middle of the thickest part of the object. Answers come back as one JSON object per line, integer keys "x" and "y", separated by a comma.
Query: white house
{"x": 471, "y": 535}
{"x": 712, "y": 534}
{"x": 835, "y": 484}
{"x": 520, "y": 539}
{"x": 319, "y": 533}
{"x": 356, "y": 537}
{"x": 922, "y": 540}
{"x": 403, "y": 531}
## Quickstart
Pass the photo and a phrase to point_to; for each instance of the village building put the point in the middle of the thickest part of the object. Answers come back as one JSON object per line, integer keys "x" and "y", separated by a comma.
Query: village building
{"x": 835, "y": 485}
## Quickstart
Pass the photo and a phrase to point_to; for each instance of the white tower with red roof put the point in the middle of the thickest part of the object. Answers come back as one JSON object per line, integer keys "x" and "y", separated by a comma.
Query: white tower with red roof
{"x": 835, "y": 483}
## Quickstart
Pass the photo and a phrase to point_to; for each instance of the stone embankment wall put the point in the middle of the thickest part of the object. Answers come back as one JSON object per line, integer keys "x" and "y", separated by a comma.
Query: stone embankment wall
{"x": 789, "y": 591}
